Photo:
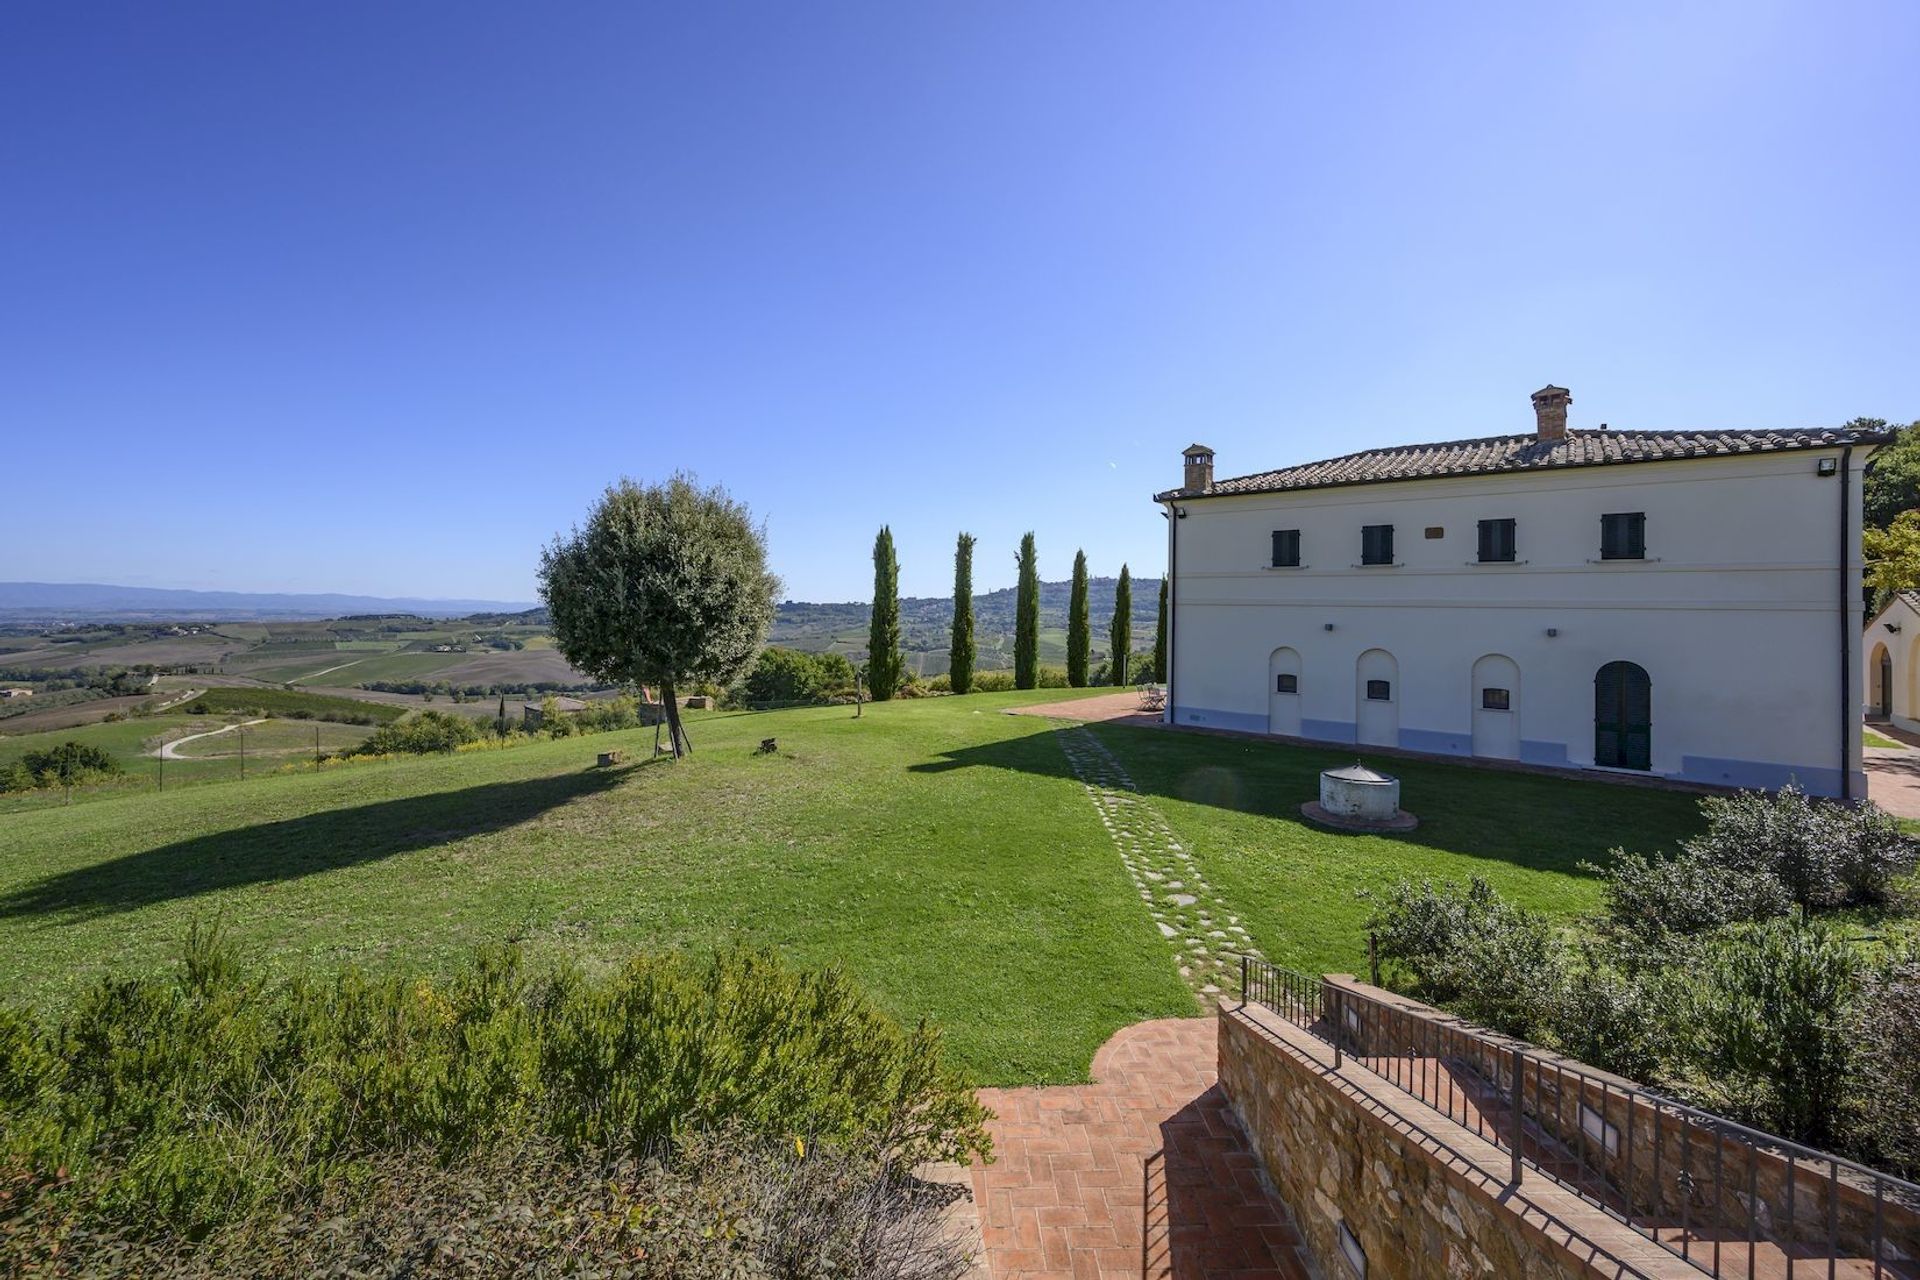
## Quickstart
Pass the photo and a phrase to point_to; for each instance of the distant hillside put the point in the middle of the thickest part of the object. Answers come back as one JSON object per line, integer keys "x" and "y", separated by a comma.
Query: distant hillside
{"x": 59, "y": 601}
{"x": 926, "y": 624}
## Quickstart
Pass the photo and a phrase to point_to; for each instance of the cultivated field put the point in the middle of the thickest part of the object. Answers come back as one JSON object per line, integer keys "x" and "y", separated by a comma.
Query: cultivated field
{"x": 943, "y": 852}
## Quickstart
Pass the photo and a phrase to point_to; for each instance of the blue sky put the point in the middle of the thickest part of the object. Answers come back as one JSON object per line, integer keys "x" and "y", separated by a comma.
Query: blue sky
{"x": 376, "y": 298}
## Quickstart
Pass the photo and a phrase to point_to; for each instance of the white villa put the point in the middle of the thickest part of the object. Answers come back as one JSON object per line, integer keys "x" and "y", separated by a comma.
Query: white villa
{"x": 1892, "y": 675}
{"x": 1684, "y": 604}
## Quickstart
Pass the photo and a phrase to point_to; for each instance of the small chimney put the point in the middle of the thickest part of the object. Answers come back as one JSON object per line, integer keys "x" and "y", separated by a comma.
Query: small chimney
{"x": 1550, "y": 412}
{"x": 1199, "y": 468}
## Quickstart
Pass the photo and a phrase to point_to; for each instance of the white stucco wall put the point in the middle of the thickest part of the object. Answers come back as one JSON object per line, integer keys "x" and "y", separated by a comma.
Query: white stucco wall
{"x": 1734, "y": 614}
{"x": 1895, "y": 631}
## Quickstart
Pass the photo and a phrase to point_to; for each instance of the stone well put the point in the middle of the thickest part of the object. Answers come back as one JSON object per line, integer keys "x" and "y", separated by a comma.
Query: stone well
{"x": 1357, "y": 798}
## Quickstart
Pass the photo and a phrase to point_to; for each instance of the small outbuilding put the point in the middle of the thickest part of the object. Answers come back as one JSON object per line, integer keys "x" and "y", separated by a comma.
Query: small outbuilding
{"x": 1891, "y": 650}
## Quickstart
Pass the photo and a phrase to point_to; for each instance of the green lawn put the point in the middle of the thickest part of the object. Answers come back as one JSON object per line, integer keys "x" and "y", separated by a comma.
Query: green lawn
{"x": 940, "y": 850}
{"x": 1872, "y": 739}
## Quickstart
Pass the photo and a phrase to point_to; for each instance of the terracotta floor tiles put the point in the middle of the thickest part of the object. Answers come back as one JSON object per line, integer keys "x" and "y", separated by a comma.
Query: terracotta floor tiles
{"x": 1143, "y": 1173}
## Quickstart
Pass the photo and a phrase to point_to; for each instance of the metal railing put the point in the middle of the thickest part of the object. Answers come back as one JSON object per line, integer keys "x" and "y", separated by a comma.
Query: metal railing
{"x": 1728, "y": 1199}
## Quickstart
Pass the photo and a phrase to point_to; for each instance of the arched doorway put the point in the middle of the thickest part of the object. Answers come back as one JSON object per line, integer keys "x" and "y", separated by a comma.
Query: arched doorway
{"x": 1622, "y": 717}
{"x": 1880, "y": 670}
{"x": 1283, "y": 692}
{"x": 1496, "y": 707}
{"x": 1376, "y": 696}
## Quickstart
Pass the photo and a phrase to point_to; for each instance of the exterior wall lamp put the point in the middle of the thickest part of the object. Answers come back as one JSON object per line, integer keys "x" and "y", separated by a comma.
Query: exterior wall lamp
{"x": 1829, "y": 467}
{"x": 1552, "y": 632}
{"x": 1329, "y": 626}
{"x": 1892, "y": 626}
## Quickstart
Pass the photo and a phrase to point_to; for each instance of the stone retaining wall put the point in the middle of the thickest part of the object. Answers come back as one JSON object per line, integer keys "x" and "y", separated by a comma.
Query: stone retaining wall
{"x": 1673, "y": 1164}
{"x": 1357, "y": 1174}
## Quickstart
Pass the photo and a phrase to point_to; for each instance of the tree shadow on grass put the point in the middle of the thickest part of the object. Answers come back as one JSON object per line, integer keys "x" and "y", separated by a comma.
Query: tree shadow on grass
{"x": 1542, "y": 821}
{"x": 295, "y": 847}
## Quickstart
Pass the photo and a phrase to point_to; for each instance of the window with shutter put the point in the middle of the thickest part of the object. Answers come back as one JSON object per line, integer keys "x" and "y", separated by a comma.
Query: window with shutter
{"x": 1286, "y": 548}
{"x": 1496, "y": 541}
{"x": 1623, "y": 536}
{"x": 1376, "y": 544}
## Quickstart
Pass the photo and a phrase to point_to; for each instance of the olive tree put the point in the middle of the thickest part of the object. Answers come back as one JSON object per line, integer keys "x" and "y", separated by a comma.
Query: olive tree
{"x": 665, "y": 585}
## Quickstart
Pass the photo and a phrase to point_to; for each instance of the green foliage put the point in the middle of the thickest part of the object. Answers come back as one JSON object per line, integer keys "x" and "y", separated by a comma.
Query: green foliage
{"x": 1892, "y": 483}
{"x": 1026, "y": 617}
{"x": 1120, "y": 630}
{"x": 1771, "y": 1017}
{"x": 1886, "y": 1028}
{"x": 1893, "y": 556}
{"x": 666, "y": 585}
{"x": 69, "y": 764}
{"x": 720, "y": 1205}
{"x": 290, "y": 704}
{"x": 1079, "y": 630}
{"x": 1472, "y": 951}
{"x": 427, "y": 732}
{"x": 960, "y": 654}
{"x": 885, "y": 667}
{"x": 1759, "y": 856}
{"x": 1160, "y": 637}
{"x": 993, "y": 682}
{"x": 210, "y": 1095}
{"x": 789, "y": 676}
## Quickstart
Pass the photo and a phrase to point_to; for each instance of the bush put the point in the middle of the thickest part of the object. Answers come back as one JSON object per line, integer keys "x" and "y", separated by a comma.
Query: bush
{"x": 992, "y": 681}
{"x": 71, "y": 764}
{"x": 1886, "y": 1027}
{"x": 942, "y": 683}
{"x": 213, "y": 1096}
{"x": 788, "y": 675}
{"x": 427, "y": 732}
{"x": 1489, "y": 961}
{"x": 725, "y": 1205}
{"x": 1771, "y": 1016}
{"x": 1759, "y": 857}
{"x": 1654, "y": 899}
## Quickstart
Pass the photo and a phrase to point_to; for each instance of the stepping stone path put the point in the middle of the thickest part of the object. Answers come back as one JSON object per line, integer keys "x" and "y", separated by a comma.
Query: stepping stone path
{"x": 1208, "y": 940}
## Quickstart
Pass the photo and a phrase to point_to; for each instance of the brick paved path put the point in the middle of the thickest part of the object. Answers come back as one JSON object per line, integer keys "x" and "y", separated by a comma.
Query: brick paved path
{"x": 1143, "y": 1173}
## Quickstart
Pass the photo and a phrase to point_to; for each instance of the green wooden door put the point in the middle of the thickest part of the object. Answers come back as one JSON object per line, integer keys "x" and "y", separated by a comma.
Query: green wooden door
{"x": 1622, "y": 717}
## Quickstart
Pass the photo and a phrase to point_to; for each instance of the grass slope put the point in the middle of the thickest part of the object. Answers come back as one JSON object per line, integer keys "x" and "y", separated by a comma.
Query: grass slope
{"x": 941, "y": 851}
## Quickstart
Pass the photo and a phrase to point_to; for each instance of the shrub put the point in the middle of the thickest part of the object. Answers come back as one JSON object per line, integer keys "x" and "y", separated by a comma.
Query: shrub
{"x": 788, "y": 675}
{"x": 1886, "y": 1026}
{"x": 725, "y": 1205}
{"x": 70, "y": 764}
{"x": 1771, "y": 1016}
{"x": 1654, "y": 899}
{"x": 1759, "y": 856}
{"x": 942, "y": 683}
{"x": 1468, "y": 949}
{"x": 212, "y": 1095}
{"x": 427, "y": 732}
{"x": 992, "y": 681}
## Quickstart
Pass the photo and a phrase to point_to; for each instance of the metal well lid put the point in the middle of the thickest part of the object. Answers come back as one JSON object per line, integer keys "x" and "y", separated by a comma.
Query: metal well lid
{"x": 1357, "y": 772}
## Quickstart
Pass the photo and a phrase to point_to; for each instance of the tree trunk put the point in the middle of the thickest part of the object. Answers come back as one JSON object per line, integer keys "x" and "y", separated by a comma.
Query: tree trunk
{"x": 676, "y": 732}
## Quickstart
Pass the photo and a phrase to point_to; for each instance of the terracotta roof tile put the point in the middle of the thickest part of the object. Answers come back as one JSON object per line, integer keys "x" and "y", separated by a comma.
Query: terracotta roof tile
{"x": 1497, "y": 455}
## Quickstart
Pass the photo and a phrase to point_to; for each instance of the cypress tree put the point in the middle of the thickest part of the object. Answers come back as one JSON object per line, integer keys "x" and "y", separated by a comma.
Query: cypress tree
{"x": 1026, "y": 618}
{"x": 960, "y": 656}
{"x": 884, "y": 663}
{"x": 1160, "y": 637}
{"x": 1121, "y": 634}
{"x": 1079, "y": 632}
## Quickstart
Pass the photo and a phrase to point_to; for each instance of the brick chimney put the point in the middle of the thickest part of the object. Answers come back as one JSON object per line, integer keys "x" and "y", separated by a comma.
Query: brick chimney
{"x": 1550, "y": 412}
{"x": 1199, "y": 467}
